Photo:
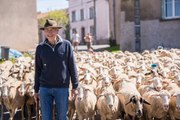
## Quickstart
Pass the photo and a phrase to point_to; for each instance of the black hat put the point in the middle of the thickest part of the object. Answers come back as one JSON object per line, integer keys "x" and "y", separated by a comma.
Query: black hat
{"x": 50, "y": 23}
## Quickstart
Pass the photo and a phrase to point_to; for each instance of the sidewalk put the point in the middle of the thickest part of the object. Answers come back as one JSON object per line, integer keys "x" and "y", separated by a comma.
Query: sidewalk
{"x": 95, "y": 47}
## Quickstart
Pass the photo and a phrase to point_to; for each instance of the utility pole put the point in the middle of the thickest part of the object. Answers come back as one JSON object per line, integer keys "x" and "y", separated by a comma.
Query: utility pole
{"x": 95, "y": 21}
{"x": 114, "y": 21}
{"x": 137, "y": 24}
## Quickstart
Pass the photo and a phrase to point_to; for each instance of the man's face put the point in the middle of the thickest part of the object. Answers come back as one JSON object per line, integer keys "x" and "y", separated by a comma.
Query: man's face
{"x": 50, "y": 33}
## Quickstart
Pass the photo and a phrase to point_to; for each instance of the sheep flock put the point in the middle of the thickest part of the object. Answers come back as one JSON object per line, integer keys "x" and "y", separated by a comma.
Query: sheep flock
{"x": 121, "y": 85}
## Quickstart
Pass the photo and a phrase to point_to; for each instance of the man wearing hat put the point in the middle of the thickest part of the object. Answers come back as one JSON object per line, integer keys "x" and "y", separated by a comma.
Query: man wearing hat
{"x": 54, "y": 68}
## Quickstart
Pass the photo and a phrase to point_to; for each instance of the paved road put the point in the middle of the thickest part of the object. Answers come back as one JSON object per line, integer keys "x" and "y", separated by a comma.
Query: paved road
{"x": 95, "y": 47}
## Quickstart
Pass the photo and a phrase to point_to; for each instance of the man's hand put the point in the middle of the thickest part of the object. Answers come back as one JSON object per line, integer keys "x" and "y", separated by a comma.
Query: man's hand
{"x": 74, "y": 93}
{"x": 36, "y": 97}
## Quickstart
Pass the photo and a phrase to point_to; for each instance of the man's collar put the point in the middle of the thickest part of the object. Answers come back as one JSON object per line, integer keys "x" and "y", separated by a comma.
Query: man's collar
{"x": 59, "y": 40}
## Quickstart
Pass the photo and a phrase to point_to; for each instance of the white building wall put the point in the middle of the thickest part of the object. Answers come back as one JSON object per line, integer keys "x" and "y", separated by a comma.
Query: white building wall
{"x": 102, "y": 19}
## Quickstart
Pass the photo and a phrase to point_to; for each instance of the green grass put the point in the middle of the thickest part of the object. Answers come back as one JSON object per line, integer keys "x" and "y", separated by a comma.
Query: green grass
{"x": 113, "y": 49}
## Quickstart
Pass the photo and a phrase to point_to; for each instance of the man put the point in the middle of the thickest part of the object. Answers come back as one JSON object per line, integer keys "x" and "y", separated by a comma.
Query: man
{"x": 88, "y": 40}
{"x": 54, "y": 67}
{"x": 75, "y": 40}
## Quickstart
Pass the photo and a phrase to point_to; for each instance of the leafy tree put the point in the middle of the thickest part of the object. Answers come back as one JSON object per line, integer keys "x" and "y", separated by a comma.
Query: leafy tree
{"x": 60, "y": 16}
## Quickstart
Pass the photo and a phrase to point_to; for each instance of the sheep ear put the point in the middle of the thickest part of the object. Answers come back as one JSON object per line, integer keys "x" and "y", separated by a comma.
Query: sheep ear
{"x": 144, "y": 101}
{"x": 174, "y": 95}
{"x": 118, "y": 93}
{"x": 100, "y": 95}
{"x": 155, "y": 95}
{"x": 165, "y": 82}
{"x": 130, "y": 100}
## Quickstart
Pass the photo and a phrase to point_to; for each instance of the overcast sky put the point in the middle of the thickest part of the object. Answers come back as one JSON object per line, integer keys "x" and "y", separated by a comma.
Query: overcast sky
{"x": 48, "y": 5}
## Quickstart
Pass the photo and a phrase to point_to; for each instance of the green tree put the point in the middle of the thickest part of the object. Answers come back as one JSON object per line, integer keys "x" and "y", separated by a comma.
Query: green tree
{"x": 60, "y": 16}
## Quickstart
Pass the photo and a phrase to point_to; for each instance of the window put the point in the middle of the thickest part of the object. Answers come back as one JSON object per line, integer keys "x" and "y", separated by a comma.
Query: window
{"x": 171, "y": 9}
{"x": 73, "y": 16}
{"x": 92, "y": 30}
{"x": 91, "y": 12}
{"x": 82, "y": 14}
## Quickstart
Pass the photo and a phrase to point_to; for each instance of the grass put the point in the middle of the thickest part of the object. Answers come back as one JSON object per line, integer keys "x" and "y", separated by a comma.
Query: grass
{"x": 113, "y": 49}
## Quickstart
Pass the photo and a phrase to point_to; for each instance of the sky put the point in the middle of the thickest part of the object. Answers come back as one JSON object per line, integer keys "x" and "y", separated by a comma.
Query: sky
{"x": 49, "y": 5}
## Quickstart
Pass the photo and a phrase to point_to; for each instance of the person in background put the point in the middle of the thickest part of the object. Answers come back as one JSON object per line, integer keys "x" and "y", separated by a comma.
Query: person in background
{"x": 75, "y": 40}
{"x": 89, "y": 39}
{"x": 55, "y": 68}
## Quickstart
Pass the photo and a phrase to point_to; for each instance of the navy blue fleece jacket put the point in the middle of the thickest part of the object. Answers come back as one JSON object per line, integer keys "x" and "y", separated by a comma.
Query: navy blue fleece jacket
{"x": 55, "y": 66}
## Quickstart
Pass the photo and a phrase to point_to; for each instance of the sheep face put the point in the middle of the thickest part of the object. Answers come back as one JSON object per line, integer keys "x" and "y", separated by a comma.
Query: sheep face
{"x": 114, "y": 72}
{"x": 87, "y": 78}
{"x": 83, "y": 92}
{"x": 177, "y": 95}
{"x": 165, "y": 98}
{"x": 138, "y": 81}
{"x": 5, "y": 92}
{"x": 21, "y": 89}
{"x": 137, "y": 102}
{"x": 109, "y": 99}
{"x": 177, "y": 80}
{"x": 106, "y": 81}
{"x": 178, "y": 103}
{"x": 80, "y": 94}
{"x": 157, "y": 84}
{"x": 30, "y": 90}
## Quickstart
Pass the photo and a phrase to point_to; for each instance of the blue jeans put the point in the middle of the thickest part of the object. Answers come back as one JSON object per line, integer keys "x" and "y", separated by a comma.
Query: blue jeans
{"x": 60, "y": 96}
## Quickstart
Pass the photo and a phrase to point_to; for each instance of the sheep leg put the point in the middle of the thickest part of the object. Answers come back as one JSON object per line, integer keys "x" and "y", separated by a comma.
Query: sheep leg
{"x": 54, "y": 112}
{"x": 80, "y": 117}
{"x": 37, "y": 109}
{"x": 71, "y": 113}
{"x": 12, "y": 113}
{"x": 29, "y": 111}
{"x": 103, "y": 117}
{"x": 22, "y": 112}
{"x": 1, "y": 114}
{"x": 92, "y": 118}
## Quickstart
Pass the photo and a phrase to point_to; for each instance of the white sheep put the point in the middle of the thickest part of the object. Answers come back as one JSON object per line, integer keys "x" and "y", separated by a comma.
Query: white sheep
{"x": 131, "y": 100}
{"x": 159, "y": 104}
{"x": 85, "y": 102}
{"x": 108, "y": 106}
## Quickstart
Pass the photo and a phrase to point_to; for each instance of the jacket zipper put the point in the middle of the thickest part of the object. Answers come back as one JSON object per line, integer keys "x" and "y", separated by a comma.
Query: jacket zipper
{"x": 53, "y": 48}
{"x": 64, "y": 81}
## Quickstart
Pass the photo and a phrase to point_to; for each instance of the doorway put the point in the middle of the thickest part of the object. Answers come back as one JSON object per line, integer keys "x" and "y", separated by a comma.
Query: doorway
{"x": 82, "y": 35}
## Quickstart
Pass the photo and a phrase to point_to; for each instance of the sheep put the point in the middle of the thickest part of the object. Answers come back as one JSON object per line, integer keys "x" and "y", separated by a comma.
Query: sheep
{"x": 177, "y": 80}
{"x": 131, "y": 100}
{"x": 88, "y": 79}
{"x": 71, "y": 104}
{"x": 115, "y": 72}
{"x": 13, "y": 99}
{"x": 108, "y": 106}
{"x": 159, "y": 104}
{"x": 85, "y": 102}
{"x": 71, "y": 108}
{"x": 174, "y": 105}
{"x": 156, "y": 85}
{"x": 104, "y": 84}
{"x": 5, "y": 68}
{"x": 29, "y": 98}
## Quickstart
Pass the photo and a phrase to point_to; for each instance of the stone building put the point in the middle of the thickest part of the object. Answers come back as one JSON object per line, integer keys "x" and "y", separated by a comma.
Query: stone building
{"x": 18, "y": 25}
{"x": 159, "y": 23}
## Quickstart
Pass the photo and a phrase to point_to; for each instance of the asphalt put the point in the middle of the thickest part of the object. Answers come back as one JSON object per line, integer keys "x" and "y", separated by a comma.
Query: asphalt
{"x": 95, "y": 47}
